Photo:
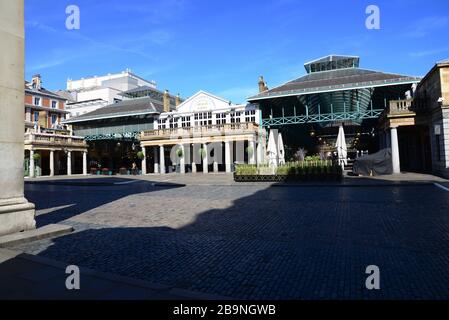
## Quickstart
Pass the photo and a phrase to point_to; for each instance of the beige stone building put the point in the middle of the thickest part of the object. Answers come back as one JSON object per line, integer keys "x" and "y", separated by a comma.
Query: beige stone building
{"x": 417, "y": 129}
{"x": 204, "y": 134}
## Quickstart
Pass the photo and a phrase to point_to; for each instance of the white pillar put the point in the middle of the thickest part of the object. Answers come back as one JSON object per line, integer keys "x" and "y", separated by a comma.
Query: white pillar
{"x": 69, "y": 163}
{"x": 52, "y": 163}
{"x": 205, "y": 159}
{"x": 215, "y": 166}
{"x": 252, "y": 156}
{"x": 144, "y": 160}
{"x": 228, "y": 156}
{"x": 182, "y": 161}
{"x": 259, "y": 159}
{"x": 395, "y": 150}
{"x": 156, "y": 163}
{"x": 31, "y": 169}
{"x": 85, "y": 163}
{"x": 16, "y": 213}
{"x": 162, "y": 159}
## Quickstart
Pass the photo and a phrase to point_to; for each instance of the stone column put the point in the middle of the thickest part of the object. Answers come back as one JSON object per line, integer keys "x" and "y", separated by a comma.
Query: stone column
{"x": 215, "y": 166}
{"x": 162, "y": 159}
{"x": 31, "y": 168}
{"x": 259, "y": 151}
{"x": 395, "y": 150}
{"x": 156, "y": 163}
{"x": 85, "y": 163}
{"x": 52, "y": 163}
{"x": 182, "y": 160}
{"x": 144, "y": 160}
{"x": 16, "y": 213}
{"x": 228, "y": 156}
{"x": 252, "y": 156}
{"x": 205, "y": 160}
{"x": 69, "y": 163}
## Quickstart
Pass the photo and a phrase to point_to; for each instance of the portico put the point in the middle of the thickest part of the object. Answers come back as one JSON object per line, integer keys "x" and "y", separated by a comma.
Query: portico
{"x": 58, "y": 154}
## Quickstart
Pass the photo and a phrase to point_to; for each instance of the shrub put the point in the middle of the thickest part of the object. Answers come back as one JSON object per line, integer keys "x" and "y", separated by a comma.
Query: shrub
{"x": 140, "y": 155}
{"x": 246, "y": 170}
{"x": 36, "y": 156}
{"x": 315, "y": 158}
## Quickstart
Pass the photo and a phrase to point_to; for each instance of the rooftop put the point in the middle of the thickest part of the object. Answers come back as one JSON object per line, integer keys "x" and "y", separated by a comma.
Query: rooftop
{"x": 29, "y": 88}
{"x": 133, "y": 107}
{"x": 332, "y": 62}
{"x": 332, "y": 73}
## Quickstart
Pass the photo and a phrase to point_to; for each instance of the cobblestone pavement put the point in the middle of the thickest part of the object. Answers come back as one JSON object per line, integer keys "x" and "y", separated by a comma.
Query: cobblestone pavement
{"x": 256, "y": 241}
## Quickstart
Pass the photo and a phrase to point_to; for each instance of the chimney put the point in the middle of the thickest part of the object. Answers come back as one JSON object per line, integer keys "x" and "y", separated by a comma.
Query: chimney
{"x": 178, "y": 100}
{"x": 36, "y": 81}
{"x": 166, "y": 101}
{"x": 262, "y": 85}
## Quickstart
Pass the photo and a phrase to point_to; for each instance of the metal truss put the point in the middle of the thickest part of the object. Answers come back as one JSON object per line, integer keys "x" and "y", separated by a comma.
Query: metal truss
{"x": 323, "y": 117}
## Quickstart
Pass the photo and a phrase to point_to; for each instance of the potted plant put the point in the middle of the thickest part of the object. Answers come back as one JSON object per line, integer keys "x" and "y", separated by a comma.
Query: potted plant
{"x": 179, "y": 152}
{"x": 36, "y": 156}
{"x": 250, "y": 151}
{"x": 202, "y": 153}
{"x": 140, "y": 155}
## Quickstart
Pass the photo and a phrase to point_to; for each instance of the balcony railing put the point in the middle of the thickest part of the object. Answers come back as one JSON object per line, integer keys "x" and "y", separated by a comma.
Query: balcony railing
{"x": 398, "y": 107}
{"x": 53, "y": 139}
{"x": 201, "y": 131}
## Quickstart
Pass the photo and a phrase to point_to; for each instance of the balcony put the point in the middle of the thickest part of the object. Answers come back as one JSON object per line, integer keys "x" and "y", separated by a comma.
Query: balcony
{"x": 201, "y": 131}
{"x": 401, "y": 107}
{"x": 54, "y": 140}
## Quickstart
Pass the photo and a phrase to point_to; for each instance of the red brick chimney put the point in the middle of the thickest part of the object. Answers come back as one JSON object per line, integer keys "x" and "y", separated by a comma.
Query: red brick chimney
{"x": 262, "y": 85}
{"x": 166, "y": 101}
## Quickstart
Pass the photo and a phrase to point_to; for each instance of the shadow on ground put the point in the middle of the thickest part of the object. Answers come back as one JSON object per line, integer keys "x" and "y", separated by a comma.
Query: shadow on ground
{"x": 295, "y": 242}
{"x": 81, "y": 195}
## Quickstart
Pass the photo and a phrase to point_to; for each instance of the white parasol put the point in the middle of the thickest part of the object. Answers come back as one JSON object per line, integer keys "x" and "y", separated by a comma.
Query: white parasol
{"x": 272, "y": 151}
{"x": 281, "y": 151}
{"x": 342, "y": 150}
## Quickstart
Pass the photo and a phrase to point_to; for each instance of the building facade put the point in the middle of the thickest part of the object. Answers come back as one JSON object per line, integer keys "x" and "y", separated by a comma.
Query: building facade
{"x": 88, "y": 94}
{"x": 43, "y": 108}
{"x": 417, "y": 128}
{"x": 113, "y": 131}
{"x": 335, "y": 92}
{"x": 50, "y": 147}
{"x": 205, "y": 133}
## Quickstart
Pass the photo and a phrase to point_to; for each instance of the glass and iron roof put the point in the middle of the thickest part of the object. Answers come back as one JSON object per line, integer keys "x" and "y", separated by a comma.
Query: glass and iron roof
{"x": 334, "y": 73}
{"x": 332, "y": 62}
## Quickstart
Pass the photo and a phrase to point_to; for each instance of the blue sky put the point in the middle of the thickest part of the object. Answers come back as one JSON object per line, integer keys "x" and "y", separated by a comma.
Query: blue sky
{"x": 223, "y": 46}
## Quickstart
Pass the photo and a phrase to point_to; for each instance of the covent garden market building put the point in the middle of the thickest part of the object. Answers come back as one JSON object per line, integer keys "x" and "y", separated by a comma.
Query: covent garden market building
{"x": 205, "y": 133}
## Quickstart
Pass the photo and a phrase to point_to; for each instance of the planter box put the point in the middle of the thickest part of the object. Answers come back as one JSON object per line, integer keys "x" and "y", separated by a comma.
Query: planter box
{"x": 283, "y": 178}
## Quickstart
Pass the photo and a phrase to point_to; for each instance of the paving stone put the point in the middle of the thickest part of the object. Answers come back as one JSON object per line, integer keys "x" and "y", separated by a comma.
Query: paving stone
{"x": 255, "y": 241}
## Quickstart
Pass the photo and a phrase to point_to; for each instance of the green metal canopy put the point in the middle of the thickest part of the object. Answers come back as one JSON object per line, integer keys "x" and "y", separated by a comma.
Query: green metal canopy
{"x": 334, "y": 89}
